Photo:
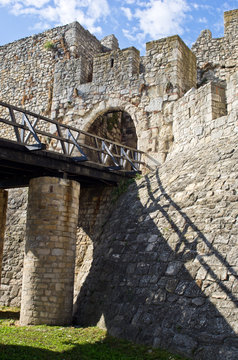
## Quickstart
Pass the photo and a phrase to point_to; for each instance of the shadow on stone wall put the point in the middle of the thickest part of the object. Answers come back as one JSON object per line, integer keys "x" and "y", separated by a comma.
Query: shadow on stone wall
{"x": 157, "y": 279}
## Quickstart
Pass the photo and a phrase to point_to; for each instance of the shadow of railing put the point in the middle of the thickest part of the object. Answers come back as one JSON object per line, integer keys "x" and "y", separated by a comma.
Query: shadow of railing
{"x": 199, "y": 236}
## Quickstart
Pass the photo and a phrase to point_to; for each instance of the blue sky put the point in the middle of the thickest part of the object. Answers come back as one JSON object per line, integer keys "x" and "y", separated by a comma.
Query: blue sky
{"x": 134, "y": 22}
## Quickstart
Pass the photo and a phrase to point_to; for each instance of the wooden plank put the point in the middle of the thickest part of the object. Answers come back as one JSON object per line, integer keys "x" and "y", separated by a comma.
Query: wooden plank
{"x": 43, "y": 160}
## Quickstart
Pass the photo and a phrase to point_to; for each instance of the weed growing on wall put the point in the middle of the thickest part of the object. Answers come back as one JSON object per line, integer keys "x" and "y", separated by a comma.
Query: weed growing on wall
{"x": 121, "y": 188}
{"x": 49, "y": 45}
{"x": 123, "y": 185}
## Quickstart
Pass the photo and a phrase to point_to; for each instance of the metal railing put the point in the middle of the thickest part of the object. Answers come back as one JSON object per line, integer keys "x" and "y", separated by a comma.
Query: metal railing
{"x": 37, "y": 132}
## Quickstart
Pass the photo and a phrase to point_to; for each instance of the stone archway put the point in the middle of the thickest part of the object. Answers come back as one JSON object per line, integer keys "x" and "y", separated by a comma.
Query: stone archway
{"x": 115, "y": 125}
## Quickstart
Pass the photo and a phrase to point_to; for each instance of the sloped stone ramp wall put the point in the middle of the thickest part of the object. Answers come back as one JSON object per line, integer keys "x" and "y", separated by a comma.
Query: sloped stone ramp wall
{"x": 164, "y": 270}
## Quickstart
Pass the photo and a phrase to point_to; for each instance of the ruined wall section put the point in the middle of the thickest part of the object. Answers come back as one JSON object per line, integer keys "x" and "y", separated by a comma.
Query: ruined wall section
{"x": 170, "y": 65}
{"x": 116, "y": 66}
{"x": 197, "y": 116}
{"x": 217, "y": 58}
{"x": 81, "y": 42}
{"x": 26, "y": 70}
{"x": 110, "y": 42}
{"x": 202, "y": 116}
{"x": 27, "y": 66}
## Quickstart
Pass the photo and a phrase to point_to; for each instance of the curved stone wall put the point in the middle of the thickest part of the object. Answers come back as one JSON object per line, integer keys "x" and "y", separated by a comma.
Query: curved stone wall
{"x": 164, "y": 269}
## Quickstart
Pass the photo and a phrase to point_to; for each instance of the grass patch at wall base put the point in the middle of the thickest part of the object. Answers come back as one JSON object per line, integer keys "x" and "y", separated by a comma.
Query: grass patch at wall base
{"x": 67, "y": 343}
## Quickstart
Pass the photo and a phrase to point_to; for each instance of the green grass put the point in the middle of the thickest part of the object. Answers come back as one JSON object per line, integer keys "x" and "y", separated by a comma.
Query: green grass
{"x": 66, "y": 343}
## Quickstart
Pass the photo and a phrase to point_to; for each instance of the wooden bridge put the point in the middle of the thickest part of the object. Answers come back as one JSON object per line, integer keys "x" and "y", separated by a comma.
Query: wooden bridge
{"x": 59, "y": 160}
{"x": 32, "y": 145}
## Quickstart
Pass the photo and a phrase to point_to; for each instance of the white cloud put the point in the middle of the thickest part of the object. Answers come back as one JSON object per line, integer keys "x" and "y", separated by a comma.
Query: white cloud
{"x": 40, "y": 26}
{"x": 35, "y": 3}
{"x": 201, "y": 6}
{"x": 128, "y": 35}
{"x": 5, "y": 2}
{"x": 162, "y": 17}
{"x": 195, "y": 5}
{"x": 143, "y": 3}
{"x": 60, "y": 12}
{"x": 134, "y": 35}
{"x": 202, "y": 20}
{"x": 127, "y": 12}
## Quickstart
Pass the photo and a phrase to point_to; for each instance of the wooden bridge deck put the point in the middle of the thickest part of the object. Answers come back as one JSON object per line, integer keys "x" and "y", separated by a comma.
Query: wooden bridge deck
{"x": 18, "y": 166}
{"x": 29, "y": 149}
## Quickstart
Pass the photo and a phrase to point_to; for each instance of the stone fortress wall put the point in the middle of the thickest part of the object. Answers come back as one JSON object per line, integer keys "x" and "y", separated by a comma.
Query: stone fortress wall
{"x": 217, "y": 57}
{"x": 184, "y": 108}
{"x": 27, "y": 65}
{"x": 66, "y": 73}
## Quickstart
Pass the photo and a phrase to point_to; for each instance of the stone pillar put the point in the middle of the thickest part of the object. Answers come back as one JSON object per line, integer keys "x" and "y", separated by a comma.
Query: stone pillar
{"x": 3, "y": 212}
{"x": 48, "y": 273}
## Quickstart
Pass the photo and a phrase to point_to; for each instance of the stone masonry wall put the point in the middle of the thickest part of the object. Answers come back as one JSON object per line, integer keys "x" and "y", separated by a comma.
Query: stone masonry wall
{"x": 164, "y": 269}
{"x": 164, "y": 126}
{"x": 198, "y": 116}
{"x": 161, "y": 267}
{"x": 204, "y": 115}
{"x": 116, "y": 66}
{"x": 3, "y": 212}
{"x": 95, "y": 207}
{"x": 50, "y": 80}
{"x": 13, "y": 250}
{"x": 216, "y": 58}
{"x": 49, "y": 259}
{"x": 27, "y": 65}
{"x": 169, "y": 62}
{"x": 125, "y": 82}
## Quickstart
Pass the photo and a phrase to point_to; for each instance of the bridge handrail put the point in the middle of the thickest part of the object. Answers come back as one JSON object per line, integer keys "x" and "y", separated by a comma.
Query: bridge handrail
{"x": 119, "y": 158}
{"x": 63, "y": 125}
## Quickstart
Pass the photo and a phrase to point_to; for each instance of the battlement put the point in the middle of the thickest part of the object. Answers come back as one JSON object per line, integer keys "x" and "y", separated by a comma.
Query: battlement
{"x": 170, "y": 62}
{"x": 230, "y": 22}
{"x": 116, "y": 65}
{"x": 76, "y": 77}
{"x": 216, "y": 58}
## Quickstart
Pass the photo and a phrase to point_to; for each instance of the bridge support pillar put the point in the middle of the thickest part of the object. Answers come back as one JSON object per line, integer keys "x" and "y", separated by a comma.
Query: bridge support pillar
{"x": 3, "y": 212}
{"x": 48, "y": 273}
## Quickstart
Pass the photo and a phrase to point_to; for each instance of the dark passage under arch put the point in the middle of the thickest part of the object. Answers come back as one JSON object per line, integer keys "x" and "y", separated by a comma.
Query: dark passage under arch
{"x": 117, "y": 126}
{"x": 113, "y": 125}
